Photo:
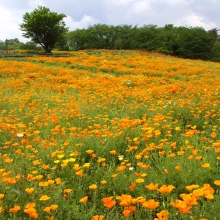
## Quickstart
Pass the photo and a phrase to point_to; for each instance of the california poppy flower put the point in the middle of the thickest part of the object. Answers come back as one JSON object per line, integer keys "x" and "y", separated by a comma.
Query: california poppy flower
{"x": 15, "y": 209}
{"x": 109, "y": 202}
{"x": 84, "y": 199}
{"x": 151, "y": 204}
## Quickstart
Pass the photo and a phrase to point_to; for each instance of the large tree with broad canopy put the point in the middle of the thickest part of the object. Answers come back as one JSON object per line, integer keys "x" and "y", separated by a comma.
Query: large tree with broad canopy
{"x": 44, "y": 27}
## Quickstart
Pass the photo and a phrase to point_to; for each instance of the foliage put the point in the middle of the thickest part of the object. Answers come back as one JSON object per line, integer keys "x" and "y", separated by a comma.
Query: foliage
{"x": 194, "y": 43}
{"x": 44, "y": 27}
{"x": 30, "y": 45}
{"x": 62, "y": 44}
{"x": 186, "y": 42}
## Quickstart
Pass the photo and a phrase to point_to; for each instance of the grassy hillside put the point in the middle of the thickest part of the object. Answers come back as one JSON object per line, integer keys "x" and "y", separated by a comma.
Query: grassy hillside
{"x": 109, "y": 135}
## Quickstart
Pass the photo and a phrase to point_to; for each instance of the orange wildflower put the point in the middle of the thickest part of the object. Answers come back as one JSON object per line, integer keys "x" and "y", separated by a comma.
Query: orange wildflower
{"x": 45, "y": 167}
{"x": 103, "y": 182}
{"x": 109, "y": 202}
{"x": 151, "y": 204}
{"x": 54, "y": 207}
{"x": 84, "y": 199}
{"x": 178, "y": 168}
{"x": 1, "y": 209}
{"x": 93, "y": 186}
{"x": 213, "y": 134}
{"x": 190, "y": 199}
{"x": 140, "y": 180}
{"x": 113, "y": 152}
{"x": 205, "y": 165}
{"x": 15, "y": 209}
{"x": 58, "y": 181}
{"x": 139, "y": 199}
{"x": 132, "y": 186}
{"x": 166, "y": 171}
{"x": 39, "y": 177}
{"x": 191, "y": 187}
{"x": 29, "y": 190}
{"x": 217, "y": 182}
{"x": 30, "y": 177}
{"x": 76, "y": 167}
{"x": 50, "y": 182}
{"x": 171, "y": 155}
{"x": 2, "y": 196}
{"x": 198, "y": 158}
{"x": 30, "y": 205}
{"x": 43, "y": 184}
{"x": 114, "y": 175}
{"x": 125, "y": 200}
{"x": 30, "y": 210}
{"x": 68, "y": 191}
{"x": 198, "y": 192}
{"x": 208, "y": 196}
{"x": 47, "y": 209}
{"x": 128, "y": 211}
{"x": 9, "y": 180}
{"x": 190, "y": 157}
{"x": 181, "y": 206}
{"x": 163, "y": 215}
{"x": 36, "y": 162}
{"x": 162, "y": 153}
{"x": 121, "y": 168}
{"x": 94, "y": 155}
{"x": 151, "y": 186}
{"x": 32, "y": 213}
{"x": 79, "y": 173}
{"x": 166, "y": 189}
{"x": 89, "y": 151}
{"x": 98, "y": 217}
{"x": 44, "y": 198}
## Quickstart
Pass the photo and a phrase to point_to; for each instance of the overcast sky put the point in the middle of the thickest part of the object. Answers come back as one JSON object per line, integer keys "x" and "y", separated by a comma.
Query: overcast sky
{"x": 82, "y": 13}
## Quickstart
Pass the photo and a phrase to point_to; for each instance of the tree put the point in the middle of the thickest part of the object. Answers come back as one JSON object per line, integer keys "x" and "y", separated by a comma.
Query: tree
{"x": 195, "y": 43}
{"x": 147, "y": 38}
{"x": 44, "y": 27}
{"x": 62, "y": 44}
{"x": 77, "y": 39}
{"x": 30, "y": 45}
{"x": 169, "y": 40}
{"x": 213, "y": 34}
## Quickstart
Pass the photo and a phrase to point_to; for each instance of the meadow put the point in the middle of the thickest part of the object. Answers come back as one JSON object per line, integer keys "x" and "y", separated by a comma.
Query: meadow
{"x": 109, "y": 135}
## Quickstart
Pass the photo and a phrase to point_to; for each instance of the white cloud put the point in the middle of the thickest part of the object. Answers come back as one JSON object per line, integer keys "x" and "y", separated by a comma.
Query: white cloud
{"x": 85, "y": 21}
{"x": 196, "y": 21}
{"x": 141, "y": 6}
{"x": 177, "y": 2}
{"x": 203, "y": 13}
{"x": 120, "y": 2}
{"x": 35, "y": 3}
{"x": 10, "y": 29}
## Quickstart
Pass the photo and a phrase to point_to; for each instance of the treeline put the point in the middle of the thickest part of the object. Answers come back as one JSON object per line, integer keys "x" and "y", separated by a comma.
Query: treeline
{"x": 186, "y": 42}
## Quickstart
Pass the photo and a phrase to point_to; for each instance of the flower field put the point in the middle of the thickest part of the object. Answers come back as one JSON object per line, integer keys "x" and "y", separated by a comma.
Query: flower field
{"x": 109, "y": 135}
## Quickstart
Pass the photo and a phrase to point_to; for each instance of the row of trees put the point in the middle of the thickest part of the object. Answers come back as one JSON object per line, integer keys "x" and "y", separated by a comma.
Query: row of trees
{"x": 187, "y": 42}
{"x": 14, "y": 45}
{"x": 48, "y": 30}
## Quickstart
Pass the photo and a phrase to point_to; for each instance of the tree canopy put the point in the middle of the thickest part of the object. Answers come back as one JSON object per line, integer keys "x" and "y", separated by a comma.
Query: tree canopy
{"x": 47, "y": 29}
{"x": 44, "y": 27}
{"x": 186, "y": 42}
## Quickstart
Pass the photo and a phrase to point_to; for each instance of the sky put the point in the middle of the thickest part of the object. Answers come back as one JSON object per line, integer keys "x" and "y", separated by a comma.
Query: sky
{"x": 83, "y": 13}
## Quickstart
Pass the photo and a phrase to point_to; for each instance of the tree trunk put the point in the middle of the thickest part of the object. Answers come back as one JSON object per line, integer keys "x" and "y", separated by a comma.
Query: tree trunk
{"x": 47, "y": 50}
